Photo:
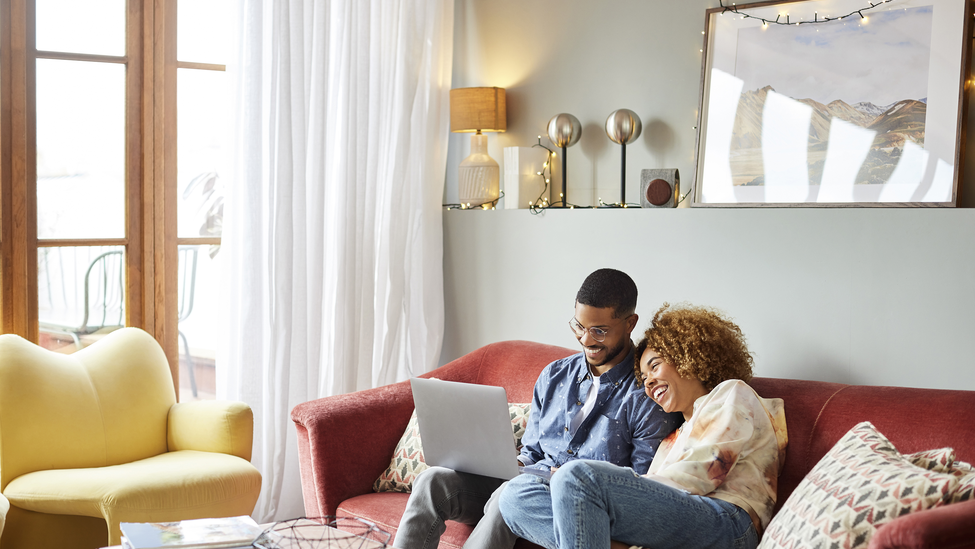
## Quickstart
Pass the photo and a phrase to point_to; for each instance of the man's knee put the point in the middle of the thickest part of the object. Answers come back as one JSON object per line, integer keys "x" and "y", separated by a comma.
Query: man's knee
{"x": 433, "y": 482}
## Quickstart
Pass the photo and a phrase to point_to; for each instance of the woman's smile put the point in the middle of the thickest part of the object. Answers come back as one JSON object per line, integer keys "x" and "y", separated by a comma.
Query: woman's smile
{"x": 664, "y": 384}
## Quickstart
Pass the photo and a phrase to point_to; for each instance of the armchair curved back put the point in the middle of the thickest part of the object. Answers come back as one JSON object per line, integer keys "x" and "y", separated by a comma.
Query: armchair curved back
{"x": 104, "y": 405}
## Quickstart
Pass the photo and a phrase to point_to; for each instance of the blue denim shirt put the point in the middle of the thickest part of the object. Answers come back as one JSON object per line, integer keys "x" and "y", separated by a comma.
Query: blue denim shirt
{"x": 624, "y": 428}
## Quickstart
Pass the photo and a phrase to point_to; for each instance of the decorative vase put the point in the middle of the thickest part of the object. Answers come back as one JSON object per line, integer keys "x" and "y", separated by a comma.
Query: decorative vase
{"x": 479, "y": 175}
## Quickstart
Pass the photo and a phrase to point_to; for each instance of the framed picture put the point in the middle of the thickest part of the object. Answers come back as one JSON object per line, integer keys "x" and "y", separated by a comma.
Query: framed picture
{"x": 833, "y": 103}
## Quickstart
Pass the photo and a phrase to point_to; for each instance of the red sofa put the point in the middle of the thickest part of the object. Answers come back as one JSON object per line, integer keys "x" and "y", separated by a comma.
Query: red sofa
{"x": 345, "y": 442}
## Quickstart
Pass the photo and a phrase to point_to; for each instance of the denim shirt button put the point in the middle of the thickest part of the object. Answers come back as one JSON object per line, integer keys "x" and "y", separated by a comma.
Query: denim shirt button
{"x": 566, "y": 428}
{"x": 569, "y": 451}
{"x": 578, "y": 403}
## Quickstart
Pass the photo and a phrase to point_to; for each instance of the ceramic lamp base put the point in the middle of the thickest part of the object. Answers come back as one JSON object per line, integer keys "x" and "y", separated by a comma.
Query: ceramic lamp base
{"x": 479, "y": 175}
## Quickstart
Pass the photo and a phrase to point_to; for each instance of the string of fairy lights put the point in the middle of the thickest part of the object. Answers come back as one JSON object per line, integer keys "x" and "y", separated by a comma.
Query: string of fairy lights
{"x": 536, "y": 206}
{"x": 541, "y": 203}
{"x": 788, "y": 19}
{"x": 492, "y": 205}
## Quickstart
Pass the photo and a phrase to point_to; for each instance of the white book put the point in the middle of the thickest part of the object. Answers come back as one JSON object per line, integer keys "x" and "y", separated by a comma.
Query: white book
{"x": 215, "y": 533}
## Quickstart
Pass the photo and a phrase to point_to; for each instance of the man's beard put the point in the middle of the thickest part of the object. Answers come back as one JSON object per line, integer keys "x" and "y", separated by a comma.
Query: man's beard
{"x": 611, "y": 355}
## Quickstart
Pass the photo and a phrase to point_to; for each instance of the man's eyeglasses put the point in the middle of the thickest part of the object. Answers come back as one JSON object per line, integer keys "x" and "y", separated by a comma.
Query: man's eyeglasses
{"x": 579, "y": 330}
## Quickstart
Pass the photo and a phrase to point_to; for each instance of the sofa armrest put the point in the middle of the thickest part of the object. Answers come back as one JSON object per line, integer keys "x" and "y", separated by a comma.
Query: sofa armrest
{"x": 948, "y": 527}
{"x": 221, "y": 426}
{"x": 346, "y": 441}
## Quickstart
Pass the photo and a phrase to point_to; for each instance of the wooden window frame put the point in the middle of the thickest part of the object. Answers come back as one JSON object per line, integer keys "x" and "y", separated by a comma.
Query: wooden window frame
{"x": 150, "y": 171}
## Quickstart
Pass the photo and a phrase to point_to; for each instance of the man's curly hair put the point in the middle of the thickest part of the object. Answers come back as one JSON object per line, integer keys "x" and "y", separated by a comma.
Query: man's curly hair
{"x": 700, "y": 342}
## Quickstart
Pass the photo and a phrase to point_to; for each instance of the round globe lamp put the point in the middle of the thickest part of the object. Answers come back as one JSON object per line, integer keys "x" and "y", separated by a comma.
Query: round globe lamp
{"x": 623, "y": 126}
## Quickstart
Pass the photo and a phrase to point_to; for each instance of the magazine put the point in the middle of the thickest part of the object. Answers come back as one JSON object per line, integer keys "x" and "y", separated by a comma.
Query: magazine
{"x": 214, "y": 533}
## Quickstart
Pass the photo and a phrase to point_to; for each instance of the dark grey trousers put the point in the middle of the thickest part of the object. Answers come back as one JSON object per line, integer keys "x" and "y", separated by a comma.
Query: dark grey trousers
{"x": 441, "y": 494}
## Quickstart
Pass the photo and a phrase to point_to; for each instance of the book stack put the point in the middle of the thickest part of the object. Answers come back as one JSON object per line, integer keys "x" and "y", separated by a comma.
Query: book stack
{"x": 217, "y": 533}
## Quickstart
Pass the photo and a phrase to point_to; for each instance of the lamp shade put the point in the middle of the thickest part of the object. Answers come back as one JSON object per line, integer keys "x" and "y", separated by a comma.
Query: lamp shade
{"x": 477, "y": 110}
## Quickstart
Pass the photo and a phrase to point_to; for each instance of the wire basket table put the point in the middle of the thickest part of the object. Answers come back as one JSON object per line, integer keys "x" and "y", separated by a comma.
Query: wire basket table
{"x": 323, "y": 533}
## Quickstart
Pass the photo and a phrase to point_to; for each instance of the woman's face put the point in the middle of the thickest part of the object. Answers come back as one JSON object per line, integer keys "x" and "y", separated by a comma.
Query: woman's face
{"x": 666, "y": 387}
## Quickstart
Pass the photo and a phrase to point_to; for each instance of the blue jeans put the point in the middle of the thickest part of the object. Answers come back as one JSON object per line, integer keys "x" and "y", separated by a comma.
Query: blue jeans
{"x": 587, "y": 503}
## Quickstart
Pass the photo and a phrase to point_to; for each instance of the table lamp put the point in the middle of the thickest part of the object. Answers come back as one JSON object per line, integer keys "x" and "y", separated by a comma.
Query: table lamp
{"x": 478, "y": 110}
{"x": 564, "y": 130}
{"x": 623, "y": 126}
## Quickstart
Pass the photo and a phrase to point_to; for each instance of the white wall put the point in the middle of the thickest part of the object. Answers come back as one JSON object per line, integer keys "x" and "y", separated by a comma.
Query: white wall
{"x": 877, "y": 296}
{"x": 874, "y": 296}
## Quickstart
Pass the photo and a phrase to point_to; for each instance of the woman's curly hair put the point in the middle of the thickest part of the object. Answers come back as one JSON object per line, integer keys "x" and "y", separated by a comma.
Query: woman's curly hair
{"x": 700, "y": 342}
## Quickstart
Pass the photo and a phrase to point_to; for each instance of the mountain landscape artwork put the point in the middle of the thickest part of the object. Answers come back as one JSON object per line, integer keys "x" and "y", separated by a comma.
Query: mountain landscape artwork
{"x": 872, "y": 73}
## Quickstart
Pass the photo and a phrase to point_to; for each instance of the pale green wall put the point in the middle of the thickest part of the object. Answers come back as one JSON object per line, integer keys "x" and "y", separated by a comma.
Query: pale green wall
{"x": 876, "y": 296}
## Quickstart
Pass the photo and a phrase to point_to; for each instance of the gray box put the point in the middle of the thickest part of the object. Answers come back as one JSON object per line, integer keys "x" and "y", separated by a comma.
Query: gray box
{"x": 659, "y": 188}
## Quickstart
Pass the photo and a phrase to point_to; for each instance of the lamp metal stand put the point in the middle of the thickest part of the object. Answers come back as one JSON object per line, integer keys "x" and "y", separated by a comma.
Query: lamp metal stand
{"x": 565, "y": 194}
{"x": 623, "y": 177}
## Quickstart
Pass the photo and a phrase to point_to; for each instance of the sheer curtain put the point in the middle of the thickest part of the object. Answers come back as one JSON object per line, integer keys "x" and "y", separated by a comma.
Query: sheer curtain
{"x": 333, "y": 225}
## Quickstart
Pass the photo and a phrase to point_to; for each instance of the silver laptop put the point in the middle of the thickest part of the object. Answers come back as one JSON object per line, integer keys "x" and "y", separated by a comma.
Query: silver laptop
{"x": 465, "y": 427}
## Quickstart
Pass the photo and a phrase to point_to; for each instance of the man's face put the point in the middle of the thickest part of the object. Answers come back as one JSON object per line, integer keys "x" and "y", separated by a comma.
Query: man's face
{"x": 616, "y": 334}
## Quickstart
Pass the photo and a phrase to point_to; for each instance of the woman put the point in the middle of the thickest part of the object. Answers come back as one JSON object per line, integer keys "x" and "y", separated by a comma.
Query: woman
{"x": 712, "y": 482}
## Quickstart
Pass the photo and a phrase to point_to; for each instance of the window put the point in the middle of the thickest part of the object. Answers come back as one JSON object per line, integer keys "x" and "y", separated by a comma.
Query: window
{"x": 204, "y": 120}
{"x": 111, "y": 201}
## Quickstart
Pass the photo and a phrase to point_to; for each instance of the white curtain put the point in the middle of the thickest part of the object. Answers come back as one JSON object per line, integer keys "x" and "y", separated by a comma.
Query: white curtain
{"x": 333, "y": 228}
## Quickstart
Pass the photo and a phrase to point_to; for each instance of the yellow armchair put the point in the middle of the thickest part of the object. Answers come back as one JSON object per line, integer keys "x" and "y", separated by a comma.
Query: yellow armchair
{"x": 96, "y": 438}
{"x": 4, "y": 507}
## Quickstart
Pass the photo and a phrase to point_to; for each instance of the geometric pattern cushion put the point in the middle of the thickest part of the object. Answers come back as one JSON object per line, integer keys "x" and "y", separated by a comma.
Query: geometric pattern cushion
{"x": 408, "y": 461}
{"x": 939, "y": 461}
{"x": 861, "y": 484}
{"x": 966, "y": 481}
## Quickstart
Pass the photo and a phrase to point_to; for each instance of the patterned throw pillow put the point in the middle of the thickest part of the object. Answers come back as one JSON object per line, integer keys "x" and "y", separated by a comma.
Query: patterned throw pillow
{"x": 408, "y": 461}
{"x": 942, "y": 460}
{"x": 861, "y": 484}
{"x": 966, "y": 481}
{"x": 939, "y": 460}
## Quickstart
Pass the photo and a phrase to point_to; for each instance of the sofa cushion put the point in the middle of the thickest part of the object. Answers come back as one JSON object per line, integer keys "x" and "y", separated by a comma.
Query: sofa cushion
{"x": 210, "y": 485}
{"x": 862, "y": 483}
{"x": 408, "y": 460}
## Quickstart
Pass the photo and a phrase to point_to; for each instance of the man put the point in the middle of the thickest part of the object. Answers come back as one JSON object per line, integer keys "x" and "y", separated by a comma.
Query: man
{"x": 586, "y": 406}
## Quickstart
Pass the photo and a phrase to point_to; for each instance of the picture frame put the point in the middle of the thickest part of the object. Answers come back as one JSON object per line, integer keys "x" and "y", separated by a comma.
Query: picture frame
{"x": 833, "y": 103}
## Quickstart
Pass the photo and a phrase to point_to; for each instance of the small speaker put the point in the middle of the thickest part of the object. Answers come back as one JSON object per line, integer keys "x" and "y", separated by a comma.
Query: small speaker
{"x": 659, "y": 188}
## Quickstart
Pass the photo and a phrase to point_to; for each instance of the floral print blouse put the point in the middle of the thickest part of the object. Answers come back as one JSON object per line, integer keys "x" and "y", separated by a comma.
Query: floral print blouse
{"x": 731, "y": 449}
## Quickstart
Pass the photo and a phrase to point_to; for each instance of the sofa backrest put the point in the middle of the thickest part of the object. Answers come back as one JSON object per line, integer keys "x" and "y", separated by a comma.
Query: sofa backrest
{"x": 514, "y": 365}
{"x": 818, "y": 414}
{"x": 103, "y": 405}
